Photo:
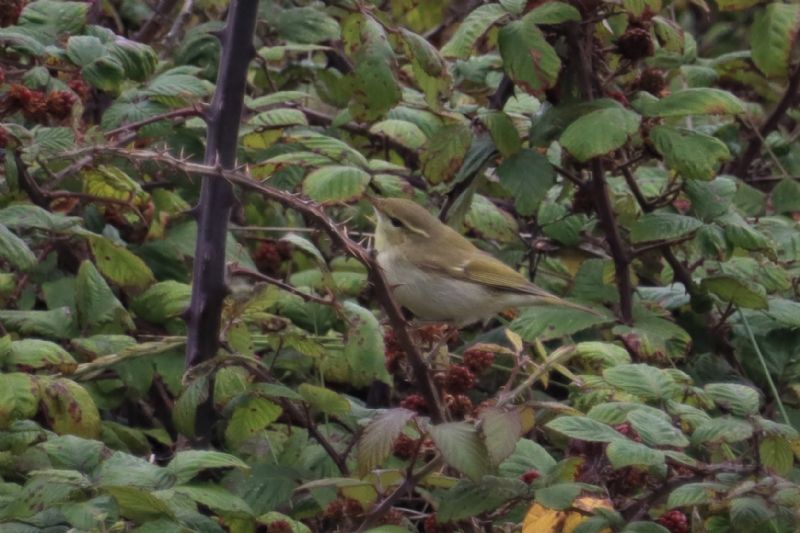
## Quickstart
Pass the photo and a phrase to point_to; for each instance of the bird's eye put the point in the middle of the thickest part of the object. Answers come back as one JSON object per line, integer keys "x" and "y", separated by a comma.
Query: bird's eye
{"x": 395, "y": 222}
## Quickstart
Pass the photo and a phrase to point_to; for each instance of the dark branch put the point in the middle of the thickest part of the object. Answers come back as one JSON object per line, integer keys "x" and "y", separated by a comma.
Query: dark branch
{"x": 741, "y": 165}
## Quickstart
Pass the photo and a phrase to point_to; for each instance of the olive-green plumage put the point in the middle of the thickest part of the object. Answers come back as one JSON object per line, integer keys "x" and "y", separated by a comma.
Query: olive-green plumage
{"x": 440, "y": 275}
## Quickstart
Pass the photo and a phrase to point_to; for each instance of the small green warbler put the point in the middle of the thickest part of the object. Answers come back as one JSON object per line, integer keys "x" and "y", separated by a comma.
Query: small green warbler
{"x": 439, "y": 275}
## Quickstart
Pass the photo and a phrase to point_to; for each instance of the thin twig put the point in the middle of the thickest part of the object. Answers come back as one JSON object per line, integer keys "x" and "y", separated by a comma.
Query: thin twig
{"x": 234, "y": 270}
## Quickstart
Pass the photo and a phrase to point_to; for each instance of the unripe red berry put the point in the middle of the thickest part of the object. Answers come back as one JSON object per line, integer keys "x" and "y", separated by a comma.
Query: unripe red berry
{"x": 478, "y": 361}
{"x": 530, "y": 476}
{"x": 458, "y": 379}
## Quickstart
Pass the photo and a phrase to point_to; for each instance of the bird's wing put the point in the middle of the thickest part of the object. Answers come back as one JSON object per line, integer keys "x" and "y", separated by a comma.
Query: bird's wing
{"x": 485, "y": 270}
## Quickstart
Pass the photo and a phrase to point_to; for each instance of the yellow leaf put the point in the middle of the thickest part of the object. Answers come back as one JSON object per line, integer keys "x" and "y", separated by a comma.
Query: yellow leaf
{"x": 588, "y": 504}
{"x": 540, "y": 519}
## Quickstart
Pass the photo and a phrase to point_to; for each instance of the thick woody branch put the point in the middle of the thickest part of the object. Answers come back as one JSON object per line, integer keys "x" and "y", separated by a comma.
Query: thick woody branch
{"x": 216, "y": 196}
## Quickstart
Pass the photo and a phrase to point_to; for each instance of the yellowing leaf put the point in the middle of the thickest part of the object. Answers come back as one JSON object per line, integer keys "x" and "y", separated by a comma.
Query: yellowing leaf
{"x": 540, "y": 519}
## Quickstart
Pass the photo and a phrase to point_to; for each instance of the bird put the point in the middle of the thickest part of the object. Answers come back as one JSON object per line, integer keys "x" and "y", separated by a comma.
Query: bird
{"x": 439, "y": 275}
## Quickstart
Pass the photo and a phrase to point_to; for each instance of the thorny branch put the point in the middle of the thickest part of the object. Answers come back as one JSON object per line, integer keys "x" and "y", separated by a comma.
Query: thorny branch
{"x": 338, "y": 234}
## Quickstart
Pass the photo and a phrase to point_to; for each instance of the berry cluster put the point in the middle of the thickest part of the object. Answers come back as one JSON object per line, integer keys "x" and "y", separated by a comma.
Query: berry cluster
{"x": 478, "y": 361}
{"x": 344, "y": 512}
{"x": 280, "y": 526}
{"x": 415, "y": 402}
{"x": 675, "y": 521}
{"x": 37, "y": 106}
{"x": 457, "y": 380}
{"x": 636, "y": 43}
{"x": 271, "y": 254}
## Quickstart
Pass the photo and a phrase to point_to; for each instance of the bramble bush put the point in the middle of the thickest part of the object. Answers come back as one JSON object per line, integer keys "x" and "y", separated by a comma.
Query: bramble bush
{"x": 637, "y": 156}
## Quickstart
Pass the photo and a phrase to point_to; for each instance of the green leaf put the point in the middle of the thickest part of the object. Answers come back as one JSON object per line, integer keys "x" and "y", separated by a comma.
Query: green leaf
{"x": 773, "y": 36}
{"x": 106, "y": 73}
{"x": 335, "y": 184}
{"x": 184, "y": 413}
{"x": 553, "y": 13}
{"x": 139, "y": 504}
{"x": 74, "y": 453}
{"x": 786, "y": 196}
{"x": 736, "y": 5}
{"x": 325, "y": 400}
{"x": 489, "y": 221}
{"x": 402, "y": 132}
{"x": 19, "y": 397}
{"x": 700, "y": 101}
{"x": 749, "y": 512}
{"x": 51, "y": 141}
{"x": 471, "y": 29}
{"x": 15, "y": 250}
{"x": 740, "y": 400}
{"x": 710, "y": 199}
{"x": 278, "y": 118}
{"x": 787, "y": 312}
{"x": 599, "y": 132}
{"x": 501, "y": 430}
{"x": 462, "y": 448}
{"x": 162, "y": 301}
{"x": 179, "y": 84}
{"x": 218, "y": 499}
{"x": 69, "y": 408}
{"x": 736, "y": 291}
{"x": 430, "y": 70}
{"x": 546, "y": 322}
{"x": 724, "y": 429}
{"x": 655, "y": 431}
{"x": 441, "y": 158}
{"x": 112, "y": 182}
{"x": 50, "y": 19}
{"x": 558, "y": 496}
{"x": 693, "y": 494}
{"x": 622, "y": 453}
{"x": 379, "y": 436}
{"x": 663, "y": 227}
{"x": 527, "y": 176}
{"x": 504, "y": 133}
{"x": 57, "y": 323}
{"x": 467, "y": 499}
{"x": 305, "y": 25}
{"x": 528, "y": 58}
{"x": 249, "y": 418}
{"x": 528, "y": 455}
{"x": 374, "y": 87}
{"x": 776, "y": 454}
{"x": 583, "y": 428}
{"x": 364, "y": 349}
{"x": 645, "y": 381}
{"x": 125, "y": 469}
{"x": 98, "y": 308}
{"x": 137, "y": 59}
{"x": 28, "y": 216}
{"x": 692, "y": 154}
{"x": 120, "y": 265}
{"x": 84, "y": 49}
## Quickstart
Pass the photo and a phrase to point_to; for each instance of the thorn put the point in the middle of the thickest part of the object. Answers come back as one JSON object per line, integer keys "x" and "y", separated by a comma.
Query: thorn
{"x": 194, "y": 212}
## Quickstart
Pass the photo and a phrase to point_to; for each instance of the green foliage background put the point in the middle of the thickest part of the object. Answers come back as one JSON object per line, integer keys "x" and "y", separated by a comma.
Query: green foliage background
{"x": 638, "y": 156}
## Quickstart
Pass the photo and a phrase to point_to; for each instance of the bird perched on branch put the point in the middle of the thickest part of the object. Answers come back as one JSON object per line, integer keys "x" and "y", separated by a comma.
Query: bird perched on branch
{"x": 439, "y": 275}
